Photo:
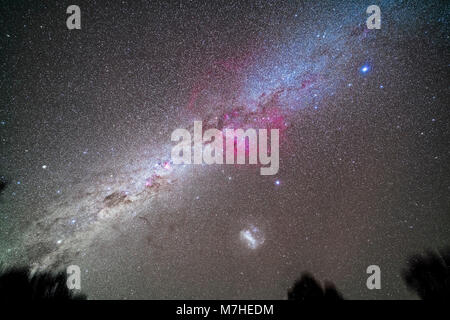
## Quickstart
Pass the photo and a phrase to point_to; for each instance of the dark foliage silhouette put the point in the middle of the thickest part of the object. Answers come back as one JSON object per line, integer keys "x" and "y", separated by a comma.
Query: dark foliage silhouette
{"x": 19, "y": 284}
{"x": 307, "y": 289}
{"x": 429, "y": 275}
{"x": 3, "y": 184}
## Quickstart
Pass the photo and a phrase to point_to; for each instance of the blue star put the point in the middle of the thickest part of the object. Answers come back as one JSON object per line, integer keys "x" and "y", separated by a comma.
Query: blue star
{"x": 365, "y": 68}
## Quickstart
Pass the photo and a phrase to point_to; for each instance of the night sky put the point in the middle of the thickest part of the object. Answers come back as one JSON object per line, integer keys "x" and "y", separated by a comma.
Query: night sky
{"x": 86, "y": 118}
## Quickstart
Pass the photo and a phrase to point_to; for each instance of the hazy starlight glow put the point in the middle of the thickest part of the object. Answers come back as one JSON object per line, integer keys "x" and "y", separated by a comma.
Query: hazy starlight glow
{"x": 252, "y": 237}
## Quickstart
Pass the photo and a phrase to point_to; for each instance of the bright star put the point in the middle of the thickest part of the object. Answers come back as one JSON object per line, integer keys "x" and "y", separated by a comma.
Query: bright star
{"x": 365, "y": 68}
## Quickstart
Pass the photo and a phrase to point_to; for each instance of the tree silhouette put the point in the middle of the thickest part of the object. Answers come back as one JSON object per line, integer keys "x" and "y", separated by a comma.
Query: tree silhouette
{"x": 429, "y": 275}
{"x": 20, "y": 284}
{"x": 308, "y": 289}
{"x": 3, "y": 184}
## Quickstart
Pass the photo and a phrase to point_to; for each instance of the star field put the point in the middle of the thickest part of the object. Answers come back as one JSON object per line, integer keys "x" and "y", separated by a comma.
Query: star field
{"x": 85, "y": 123}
